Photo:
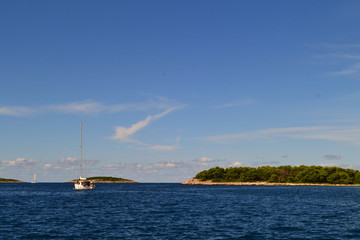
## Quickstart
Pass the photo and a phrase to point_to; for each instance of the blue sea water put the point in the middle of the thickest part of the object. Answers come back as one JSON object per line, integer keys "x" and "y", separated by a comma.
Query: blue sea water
{"x": 174, "y": 211}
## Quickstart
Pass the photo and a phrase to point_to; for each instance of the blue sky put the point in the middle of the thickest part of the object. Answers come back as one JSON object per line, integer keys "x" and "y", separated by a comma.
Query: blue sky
{"x": 166, "y": 89}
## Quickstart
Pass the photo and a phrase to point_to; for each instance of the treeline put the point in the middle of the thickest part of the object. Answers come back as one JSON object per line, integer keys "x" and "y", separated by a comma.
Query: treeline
{"x": 282, "y": 174}
{"x": 8, "y": 180}
{"x": 112, "y": 179}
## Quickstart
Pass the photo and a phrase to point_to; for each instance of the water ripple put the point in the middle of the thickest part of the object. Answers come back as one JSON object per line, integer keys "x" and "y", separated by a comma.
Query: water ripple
{"x": 173, "y": 211}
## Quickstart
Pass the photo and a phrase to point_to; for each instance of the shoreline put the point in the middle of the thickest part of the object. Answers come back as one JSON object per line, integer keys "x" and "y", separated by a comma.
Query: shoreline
{"x": 195, "y": 181}
{"x": 12, "y": 182}
{"x": 99, "y": 181}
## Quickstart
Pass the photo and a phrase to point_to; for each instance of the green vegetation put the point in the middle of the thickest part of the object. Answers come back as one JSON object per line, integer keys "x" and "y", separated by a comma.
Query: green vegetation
{"x": 282, "y": 174}
{"x": 8, "y": 180}
{"x": 102, "y": 179}
{"x": 110, "y": 179}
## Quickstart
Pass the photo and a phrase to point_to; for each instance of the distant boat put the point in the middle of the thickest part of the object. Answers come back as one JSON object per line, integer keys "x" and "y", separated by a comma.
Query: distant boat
{"x": 34, "y": 180}
{"x": 82, "y": 183}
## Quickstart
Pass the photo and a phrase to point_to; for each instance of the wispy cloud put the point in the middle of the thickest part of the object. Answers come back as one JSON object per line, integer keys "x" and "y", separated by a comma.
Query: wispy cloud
{"x": 342, "y": 45}
{"x": 264, "y": 163}
{"x": 329, "y": 165}
{"x": 236, "y": 164}
{"x": 337, "y": 56}
{"x": 332, "y": 157}
{"x": 67, "y": 164}
{"x": 69, "y": 161}
{"x": 141, "y": 167}
{"x": 16, "y": 111}
{"x": 24, "y": 163}
{"x": 88, "y": 107}
{"x": 259, "y": 134}
{"x": 345, "y": 56}
{"x": 204, "y": 159}
{"x": 162, "y": 147}
{"x": 338, "y": 134}
{"x": 124, "y": 134}
{"x": 352, "y": 70}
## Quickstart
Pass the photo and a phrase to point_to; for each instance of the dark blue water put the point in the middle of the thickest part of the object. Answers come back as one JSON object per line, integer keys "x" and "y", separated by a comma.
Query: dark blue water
{"x": 173, "y": 211}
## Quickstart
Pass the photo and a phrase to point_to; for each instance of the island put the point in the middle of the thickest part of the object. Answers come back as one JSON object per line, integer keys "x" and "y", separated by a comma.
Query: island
{"x": 8, "y": 180}
{"x": 101, "y": 179}
{"x": 283, "y": 175}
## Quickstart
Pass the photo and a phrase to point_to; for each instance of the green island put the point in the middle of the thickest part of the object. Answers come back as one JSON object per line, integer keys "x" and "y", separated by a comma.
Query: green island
{"x": 7, "y": 180}
{"x": 283, "y": 175}
{"x": 101, "y": 179}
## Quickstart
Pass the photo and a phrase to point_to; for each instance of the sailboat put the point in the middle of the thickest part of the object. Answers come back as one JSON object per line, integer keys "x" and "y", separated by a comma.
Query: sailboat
{"x": 34, "y": 180}
{"x": 82, "y": 183}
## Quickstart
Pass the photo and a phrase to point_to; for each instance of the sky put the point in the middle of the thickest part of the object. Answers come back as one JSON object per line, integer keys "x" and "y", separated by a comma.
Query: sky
{"x": 166, "y": 89}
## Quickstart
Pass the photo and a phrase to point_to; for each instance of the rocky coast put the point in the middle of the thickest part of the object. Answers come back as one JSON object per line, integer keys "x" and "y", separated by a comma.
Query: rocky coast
{"x": 195, "y": 181}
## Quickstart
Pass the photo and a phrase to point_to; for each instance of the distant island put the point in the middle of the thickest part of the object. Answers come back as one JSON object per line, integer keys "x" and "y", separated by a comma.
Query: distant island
{"x": 108, "y": 180}
{"x": 6, "y": 180}
{"x": 283, "y": 175}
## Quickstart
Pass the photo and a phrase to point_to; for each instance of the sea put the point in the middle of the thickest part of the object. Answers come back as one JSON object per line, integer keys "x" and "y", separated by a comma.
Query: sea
{"x": 174, "y": 211}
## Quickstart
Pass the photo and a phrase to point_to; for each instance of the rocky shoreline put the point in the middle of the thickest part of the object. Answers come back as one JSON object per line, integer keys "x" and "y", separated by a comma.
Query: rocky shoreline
{"x": 195, "y": 181}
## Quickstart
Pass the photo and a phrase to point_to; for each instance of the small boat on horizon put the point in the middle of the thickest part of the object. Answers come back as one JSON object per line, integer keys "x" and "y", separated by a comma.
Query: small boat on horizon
{"x": 34, "y": 179}
{"x": 82, "y": 183}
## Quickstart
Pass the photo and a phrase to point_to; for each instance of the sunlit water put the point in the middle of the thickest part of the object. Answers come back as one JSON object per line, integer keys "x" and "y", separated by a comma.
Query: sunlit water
{"x": 173, "y": 211}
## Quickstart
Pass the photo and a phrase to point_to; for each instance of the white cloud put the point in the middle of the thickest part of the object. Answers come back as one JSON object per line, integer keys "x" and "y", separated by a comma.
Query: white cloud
{"x": 166, "y": 165}
{"x": 165, "y": 147}
{"x": 47, "y": 166}
{"x": 89, "y": 107}
{"x": 52, "y": 167}
{"x": 69, "y": 161}
{"x": 124, "y": 134}
{"x": 346, "y": 56}
{"x": 205, "y": 159}
{"x": 16, "y": 111}
{"x": 162, "y": 148}
{"x": 141, "y": 167}
{"x": 236, "y": 164}
{"x": 24, "y": 163}
{"x": 352, "y": 70}
{"x": 328, "y": 165}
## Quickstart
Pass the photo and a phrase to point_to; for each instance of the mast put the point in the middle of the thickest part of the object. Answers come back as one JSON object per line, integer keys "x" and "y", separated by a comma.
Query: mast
{"x": 81, "y": 150}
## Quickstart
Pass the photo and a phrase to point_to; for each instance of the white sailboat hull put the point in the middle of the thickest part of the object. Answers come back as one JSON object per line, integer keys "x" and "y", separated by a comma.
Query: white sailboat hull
{"x": 84, "y": 185}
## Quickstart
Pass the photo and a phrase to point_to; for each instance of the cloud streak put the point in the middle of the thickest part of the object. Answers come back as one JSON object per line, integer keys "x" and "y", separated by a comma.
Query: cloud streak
{"x": 347, "y": 56}
{"x": 352, "y": 70}
{"x": 87, "y": 107}
{"x": 337, "y": 134}
{"x": 124, "y": 134}
{"x": 332, "y": 157}
{"x": 16, "y": 111}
